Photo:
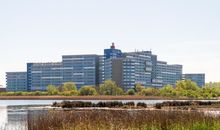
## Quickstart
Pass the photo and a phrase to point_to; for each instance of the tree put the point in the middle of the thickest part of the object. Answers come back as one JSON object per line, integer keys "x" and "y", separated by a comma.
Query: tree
{"x": 167, "y": 90}
{"x": 150, "y": 91}
{"x": 109, "y": 87}
{"x": 52, "y": 90}
{"x": 68, "y": 86}
{"x": 87, "y": 90}
{"x": 209, "y": 92}
{"x": 186, "y": 85}
{"x": 213, "y": 84}
{"x": 138, "y": 88}
{"x": 131, "y": 92}
{"x": 187, "y": 88}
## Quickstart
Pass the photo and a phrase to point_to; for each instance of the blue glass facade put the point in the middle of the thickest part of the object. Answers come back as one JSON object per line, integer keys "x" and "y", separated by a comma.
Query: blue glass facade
{"x": 197, "y": 78}
{"x": 126, "y": 69}
{"x": 112, "y": 53}
{"x": 128, "y": 73}
{"x": 40, "y": 75}
{"x": 16, "y": 81}
{"x": 137, "y": 68}
{"x": 169, "y": 74}
{"x": 81, "y": 69}
{"x": 101, "y": 69}
{"x": 144, "y": 68}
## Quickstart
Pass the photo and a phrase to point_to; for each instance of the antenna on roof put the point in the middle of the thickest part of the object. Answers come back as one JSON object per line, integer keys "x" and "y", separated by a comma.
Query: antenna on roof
{"x": 113, "y": 46}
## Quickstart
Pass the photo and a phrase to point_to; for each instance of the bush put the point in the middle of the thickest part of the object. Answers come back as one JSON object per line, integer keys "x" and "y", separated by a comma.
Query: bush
{"x": 68, "y": 86}
{"x": 38, "y": 93}
{"x": 131, "y": 92}
{"x": 18, "y": 93}
{"x": 75, "y": 104}
{"x": 130, "y": 104}
{"x": 109, "y": 87}
{"x": 150, "y": 92}
{"x": 142, "y": 105}
{"x": 158, "y": 106}
{"x": 87, "y": 90}
{"x": 66, "y": 93}
{"x": 52, "y": 90}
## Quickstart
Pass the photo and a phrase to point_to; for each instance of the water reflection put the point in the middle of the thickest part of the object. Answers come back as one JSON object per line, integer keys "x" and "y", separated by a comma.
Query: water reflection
{"x": 4, "y": 117}
{"x": 12, "y": 119}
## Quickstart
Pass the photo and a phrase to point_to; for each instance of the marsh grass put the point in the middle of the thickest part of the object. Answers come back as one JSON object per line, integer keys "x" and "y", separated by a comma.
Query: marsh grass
{"x": 122, "y": 120}
{"x": 112, "y": 104}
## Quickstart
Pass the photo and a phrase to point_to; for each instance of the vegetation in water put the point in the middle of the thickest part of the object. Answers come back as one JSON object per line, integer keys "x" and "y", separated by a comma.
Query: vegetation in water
{"x": 122, "y": 120}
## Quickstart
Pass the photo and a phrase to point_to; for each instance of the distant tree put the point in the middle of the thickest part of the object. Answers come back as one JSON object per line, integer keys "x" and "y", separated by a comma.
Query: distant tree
{"x": 138, "y": 88}
{"x": 87, "y": 90}
{"x": 213, "y": 84}
{"x": 131, "y": 92}
{"x": 209, "y": 92}
{"x": 109, "y": 87}
{"x": 69, "y": 93}
{"x": 186, "y": 85}
{"x": 150, "y": 91}
{"x": 52, "y": 90}
{"x": 68, "y": 86}
{"x": 167, "y": 90}
{"x": 187, "y": 88}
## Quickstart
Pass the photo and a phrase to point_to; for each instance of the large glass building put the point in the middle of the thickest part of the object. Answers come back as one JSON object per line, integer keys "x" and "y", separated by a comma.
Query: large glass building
{"x": 16, "y": 81}
{"x": 169, "y": 74}
{"x": 109, "y": 55}
{"x": 197, "y": 78}
{"x": 81, "y": 69}
{"x": 40, "y": 75}
{"x": 112, "y": 52}
{"x": 140, "y": 67}
{"x": 126, "y": 69}
{"x": 137, "y": 68}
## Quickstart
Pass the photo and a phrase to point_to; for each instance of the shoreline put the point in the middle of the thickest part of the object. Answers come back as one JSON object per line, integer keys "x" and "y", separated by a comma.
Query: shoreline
{"x": 94, "y": 98}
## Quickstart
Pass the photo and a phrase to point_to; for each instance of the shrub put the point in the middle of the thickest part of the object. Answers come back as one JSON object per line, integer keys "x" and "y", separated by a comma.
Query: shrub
{"x": 130, "y": 104}
{"x": 68, "y": 86}
{"x": 150, "y": 92}
{"x": 87, "y": 90}
{"x": 131, "y": 92}
{"x": 109, "y": 87}
{"x": 142, "y": 105}
{"x": 52, "y": 90}
{"x": 158, "y": 106}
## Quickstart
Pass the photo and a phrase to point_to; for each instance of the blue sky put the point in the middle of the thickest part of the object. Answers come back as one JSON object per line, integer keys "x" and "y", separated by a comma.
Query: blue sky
{"x": 184, "y": 32}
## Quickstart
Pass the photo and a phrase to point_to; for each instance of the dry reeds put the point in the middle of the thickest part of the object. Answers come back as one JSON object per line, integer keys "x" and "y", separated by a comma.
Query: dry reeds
{"x": 120, "y": 120}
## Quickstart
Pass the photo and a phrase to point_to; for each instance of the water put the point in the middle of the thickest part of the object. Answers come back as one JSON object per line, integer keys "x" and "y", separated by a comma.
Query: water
{"x": 14, "y": 113}
{"x": 49, "y": 102}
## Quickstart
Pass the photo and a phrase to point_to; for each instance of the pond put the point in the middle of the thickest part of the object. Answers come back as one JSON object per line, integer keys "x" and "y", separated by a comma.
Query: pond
{"x": 14, "y": 113}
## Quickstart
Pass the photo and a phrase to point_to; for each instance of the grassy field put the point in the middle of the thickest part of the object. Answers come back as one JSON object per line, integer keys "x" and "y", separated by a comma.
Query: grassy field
{"x": 122, "y": 120}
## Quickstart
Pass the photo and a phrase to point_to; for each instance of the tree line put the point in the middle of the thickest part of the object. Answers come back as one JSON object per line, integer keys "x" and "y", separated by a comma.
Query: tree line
{"x": 183, "y": 88}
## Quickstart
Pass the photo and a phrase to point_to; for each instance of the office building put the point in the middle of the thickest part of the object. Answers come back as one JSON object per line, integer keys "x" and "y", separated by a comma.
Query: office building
{"x": 141, "y": 67}
{"x": 112, "y": 52}
{"x": 126, "y": 69}
{"x": 101, "y": 69}
{"x": 16, "y": 81}
{"x": 109, "y": 54}
{"x": 81, "y": 69}
{"x": 40, "y": 75}
{"x": 197, "y": 78}
{"x": 168, "y": 74}
{"x": 137, "y": 68}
